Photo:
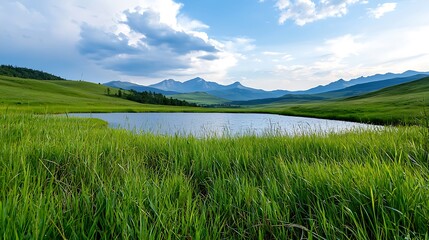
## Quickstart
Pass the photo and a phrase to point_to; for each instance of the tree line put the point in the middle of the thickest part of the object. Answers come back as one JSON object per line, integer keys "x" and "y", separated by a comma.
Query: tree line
{"x": 149, "y": 98}
{"x": 21, "y": 72}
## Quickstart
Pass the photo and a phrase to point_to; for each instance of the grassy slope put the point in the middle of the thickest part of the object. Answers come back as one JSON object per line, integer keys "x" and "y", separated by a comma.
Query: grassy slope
{"x": 200, "y": 98}
{"x": 348, "y": 92}
{"x": 77, "y": 179}
{"x": 66, "y": 96}
{"x": 399, "y": 104}
{"x": 404, "y": 103}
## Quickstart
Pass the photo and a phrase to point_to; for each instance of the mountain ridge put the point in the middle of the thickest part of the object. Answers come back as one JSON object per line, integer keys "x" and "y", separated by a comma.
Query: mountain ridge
{"x": 341, "y": 83}
{"x": 352, "y": 91}
{"x": 238, "y": 92}
{"x": 137, "y": 87}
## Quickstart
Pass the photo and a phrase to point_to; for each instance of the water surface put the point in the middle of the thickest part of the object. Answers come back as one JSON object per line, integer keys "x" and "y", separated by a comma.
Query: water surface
{"x": 220, "y": 124}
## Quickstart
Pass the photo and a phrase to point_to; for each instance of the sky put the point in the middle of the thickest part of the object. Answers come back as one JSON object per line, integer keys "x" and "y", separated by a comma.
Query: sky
{"x": 266, "y": 44}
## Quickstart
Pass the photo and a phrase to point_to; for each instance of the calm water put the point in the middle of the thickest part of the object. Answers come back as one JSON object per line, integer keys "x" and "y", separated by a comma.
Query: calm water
{"x": 219, "y": 124}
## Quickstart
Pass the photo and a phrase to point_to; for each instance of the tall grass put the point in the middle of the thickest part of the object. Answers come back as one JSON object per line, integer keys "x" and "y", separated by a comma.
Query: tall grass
{"x": 75, "y": 179}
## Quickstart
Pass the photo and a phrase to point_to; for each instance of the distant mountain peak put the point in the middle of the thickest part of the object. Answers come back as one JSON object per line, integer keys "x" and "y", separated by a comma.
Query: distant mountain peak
{"x": 170, "y": 80}
{"x": 410, "y": 72}
{"x": 197, "y": 79}
{"x": 237, "y": 84}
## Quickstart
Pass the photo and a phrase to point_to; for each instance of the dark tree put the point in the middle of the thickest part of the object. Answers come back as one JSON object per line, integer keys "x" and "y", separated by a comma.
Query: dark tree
{"x": 11, "y": 71}
{"x": 151, "y": 98}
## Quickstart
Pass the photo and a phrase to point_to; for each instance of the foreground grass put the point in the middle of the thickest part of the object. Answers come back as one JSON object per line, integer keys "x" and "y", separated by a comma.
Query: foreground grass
{"x": 77, "y": 179}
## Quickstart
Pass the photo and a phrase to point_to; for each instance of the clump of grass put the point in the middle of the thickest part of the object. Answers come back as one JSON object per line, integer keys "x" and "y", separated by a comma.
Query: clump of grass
{"x": 76, "y": 178}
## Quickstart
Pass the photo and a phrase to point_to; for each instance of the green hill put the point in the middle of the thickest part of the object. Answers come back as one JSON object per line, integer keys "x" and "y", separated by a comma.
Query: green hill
{"x": 399, "y": 104}
{"x": 57, "y": 96}
{"x": 200, "y": 98}
{"x": 404, "y": 103}
{"x": 11, "y": 71}
{"x": 355, "y": 90}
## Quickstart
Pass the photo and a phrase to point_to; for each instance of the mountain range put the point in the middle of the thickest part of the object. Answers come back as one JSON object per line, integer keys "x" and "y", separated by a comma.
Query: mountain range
{"x": 233, "y": 92}
{"x": 340, "y": 84}
{"x": 352, "y": 91}
{"x": 138, "y": 88}
{"x": 237, "y": 92}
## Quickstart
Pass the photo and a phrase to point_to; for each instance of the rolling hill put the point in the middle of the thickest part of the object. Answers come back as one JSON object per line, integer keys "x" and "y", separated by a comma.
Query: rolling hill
{"x": 354, "y": 90}
{"x": 243, "y": 93}
{"x": 364, "y": 88}
{"x": 59, "y": 96}
{"x": 341, "y": 84}
{"x": 136, "y": 87}
{"x": 233, "y": 92}
{"x": 237, "y": 92}
{"x": 400, "y": 104}
{"x": 21, "y": 72}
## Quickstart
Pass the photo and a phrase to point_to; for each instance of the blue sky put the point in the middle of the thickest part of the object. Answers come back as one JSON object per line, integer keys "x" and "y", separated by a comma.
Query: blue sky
{"x": 268, "y": 44}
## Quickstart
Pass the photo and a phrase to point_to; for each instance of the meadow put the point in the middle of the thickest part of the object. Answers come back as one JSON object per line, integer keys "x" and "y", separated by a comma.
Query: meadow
{"x": 403, "y": 104}
{"x": 67, "y": 178}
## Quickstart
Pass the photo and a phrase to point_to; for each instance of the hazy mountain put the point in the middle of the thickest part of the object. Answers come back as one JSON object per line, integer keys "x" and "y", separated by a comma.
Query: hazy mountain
{"x": 244, "y": 93}
{"x": 234, "y": 92}
{"x": 136, "y": 87}
{"x": 340, "y": 84}
{"x": 202, "y": 98}
{"x": 368, "y": 87}
{"x": 351, "y": 91}
{"x": 168, "y": 85}
{"x": 237, "y": 92}
{"x": 288, "y": 98}
{"x": 193, "y": 85}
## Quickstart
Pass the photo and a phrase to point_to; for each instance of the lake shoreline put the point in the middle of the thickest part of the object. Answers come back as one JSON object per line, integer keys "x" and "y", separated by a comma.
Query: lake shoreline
{"x": 220, "y": 124}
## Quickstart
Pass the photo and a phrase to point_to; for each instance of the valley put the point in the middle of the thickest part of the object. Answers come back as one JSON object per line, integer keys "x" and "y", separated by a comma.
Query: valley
{"x": 91, "y": 181}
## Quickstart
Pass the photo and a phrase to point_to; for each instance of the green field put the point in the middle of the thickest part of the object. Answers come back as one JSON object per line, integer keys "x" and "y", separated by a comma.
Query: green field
{"x": 69, "y": 178}
{"x": 56, "y": 96}
{"x": 66, "y": 178}
{"x": 402, "y": 104}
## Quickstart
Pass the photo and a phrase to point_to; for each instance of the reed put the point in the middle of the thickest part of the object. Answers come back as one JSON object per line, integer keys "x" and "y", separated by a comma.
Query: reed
{"x": 67, "y": 178}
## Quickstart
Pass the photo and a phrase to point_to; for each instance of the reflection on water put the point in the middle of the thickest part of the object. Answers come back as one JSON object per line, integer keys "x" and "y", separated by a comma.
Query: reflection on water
{"x": 221, "y": 124}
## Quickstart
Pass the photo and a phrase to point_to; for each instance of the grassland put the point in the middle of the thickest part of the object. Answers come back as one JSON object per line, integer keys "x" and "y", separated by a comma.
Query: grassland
{"x": 56, "y": 96}
{"x": 65, "y": 178}
{"x": 401, "y": 104}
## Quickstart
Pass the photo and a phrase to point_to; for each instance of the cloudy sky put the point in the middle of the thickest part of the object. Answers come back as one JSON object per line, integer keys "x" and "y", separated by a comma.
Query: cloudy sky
{"x": 269, "y": 44}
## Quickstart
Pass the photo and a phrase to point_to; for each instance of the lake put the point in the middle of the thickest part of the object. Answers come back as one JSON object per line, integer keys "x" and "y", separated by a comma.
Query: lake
{"x": 221, "y": 124}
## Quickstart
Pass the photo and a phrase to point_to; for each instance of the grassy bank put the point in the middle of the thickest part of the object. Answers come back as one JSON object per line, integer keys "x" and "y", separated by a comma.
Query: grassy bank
{"x": 75, "y": 179}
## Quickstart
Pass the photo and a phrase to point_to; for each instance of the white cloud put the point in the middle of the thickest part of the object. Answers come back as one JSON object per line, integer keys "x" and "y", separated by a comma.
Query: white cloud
{"x": 119, "y": 36}
{"x": 270, "y": 53}
{"x": 382, "y": 9}
{"x": 307, "y": 11}
{"x": 342, "y": 47}
{"x": 350, "y": 56}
